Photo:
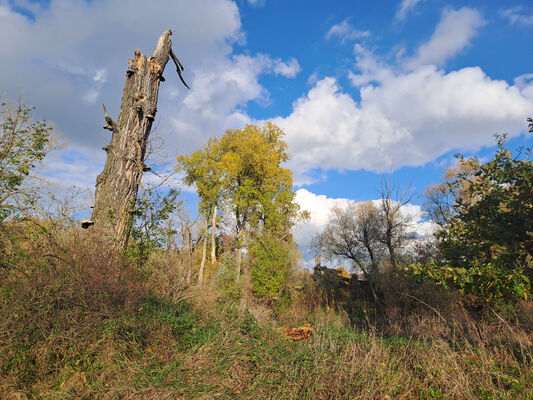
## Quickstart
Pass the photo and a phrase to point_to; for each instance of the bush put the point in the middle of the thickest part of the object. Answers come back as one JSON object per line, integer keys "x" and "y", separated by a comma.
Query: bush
{"x": 487, "y": 237}
{"x": 228, "y": 288}
{"x": 55, "y": 287}
{"x": 271, "y": 261}
{"x": 23, "y": 144}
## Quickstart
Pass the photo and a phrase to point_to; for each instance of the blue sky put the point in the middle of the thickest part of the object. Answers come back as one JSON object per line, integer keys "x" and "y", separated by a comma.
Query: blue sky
{"x": 361, "y": 89}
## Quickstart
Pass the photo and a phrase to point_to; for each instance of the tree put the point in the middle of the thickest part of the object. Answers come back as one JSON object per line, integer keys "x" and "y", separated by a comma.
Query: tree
{"x": 203, "y": 169}
{"x": 23, "y": 144}
{"x": 354, "y": 233}
{"x": 118, "y": 184}
{"x": 241, "y": 172}
{"x": 441, "y": 198}
{"x": 486, "y": 243}
{"x": 271, "y": 261}
{"x": 393, "y": 222}
{"x": 151, "y": 228}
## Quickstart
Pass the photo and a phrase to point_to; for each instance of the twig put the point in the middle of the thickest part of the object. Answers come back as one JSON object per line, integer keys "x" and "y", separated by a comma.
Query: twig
{"x": 179, "y": 67}
{"x": 427, "y": 305}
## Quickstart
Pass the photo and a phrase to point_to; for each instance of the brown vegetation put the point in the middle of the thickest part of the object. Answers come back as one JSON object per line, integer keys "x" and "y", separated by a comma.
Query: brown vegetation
{"x": 79, "y": 321}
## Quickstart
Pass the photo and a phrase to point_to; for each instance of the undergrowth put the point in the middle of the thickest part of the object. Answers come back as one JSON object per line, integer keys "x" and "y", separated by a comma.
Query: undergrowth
{"x": 77, "y": 321}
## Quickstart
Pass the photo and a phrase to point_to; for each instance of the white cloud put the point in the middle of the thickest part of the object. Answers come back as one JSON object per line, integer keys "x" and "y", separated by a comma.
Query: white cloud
{"x": 404, "y": 8}
{"x": 405, "y": 116}
{"x": 525, "y": 84}
{"x": 403, "y": 120}
{"x": 73, "y": 57}
{"x": 58, "y": 60}
{"x": 517, "y": 15}
{"x": 257, "y": 3}
{"x": 218, "y": 96}
{"x": 289, "y": 69}
{"x": 345, "y": 31}
{"x": 320, "y": 206}
{"x": 454, "y": 32}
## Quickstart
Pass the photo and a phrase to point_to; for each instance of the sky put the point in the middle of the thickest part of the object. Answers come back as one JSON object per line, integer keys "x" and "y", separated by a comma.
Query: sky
{"x": 362, "y": 90}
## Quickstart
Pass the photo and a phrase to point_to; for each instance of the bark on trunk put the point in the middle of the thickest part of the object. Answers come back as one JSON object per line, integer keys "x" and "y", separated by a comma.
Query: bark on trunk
{"x": 204, "y": 255}
{"x": 239, "y": 255}
{"x": 117, "y": 185}
{"x": 189, "y": 252}
{"x": 213, "y": 241}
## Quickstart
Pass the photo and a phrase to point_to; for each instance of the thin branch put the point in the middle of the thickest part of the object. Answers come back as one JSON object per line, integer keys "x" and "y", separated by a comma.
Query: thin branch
{"x": 426, "y": 304}
{"x": 179, "y": 67}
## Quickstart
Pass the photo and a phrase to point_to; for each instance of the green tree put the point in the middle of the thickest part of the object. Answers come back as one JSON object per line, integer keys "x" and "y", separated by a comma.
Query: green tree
{"x": 486, "y": 242}
{"x": 23, "y": 144}
{"x": 241, "y": 171}
{"x": 151, "y": 230}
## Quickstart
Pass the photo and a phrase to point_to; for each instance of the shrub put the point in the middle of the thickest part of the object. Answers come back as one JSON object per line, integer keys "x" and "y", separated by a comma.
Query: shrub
{"x": 487, "y": 239}
{"x": 229, "y": 289}
{"x": 271, "y": 261}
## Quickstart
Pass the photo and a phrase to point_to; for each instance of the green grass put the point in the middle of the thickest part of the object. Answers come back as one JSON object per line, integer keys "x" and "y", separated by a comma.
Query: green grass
{"x": 167, "y": 349}
{"x": 65, "y": 336}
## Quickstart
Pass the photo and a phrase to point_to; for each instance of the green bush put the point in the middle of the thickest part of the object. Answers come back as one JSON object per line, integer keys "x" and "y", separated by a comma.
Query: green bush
{"x": 228, "y": 287}
{"x": 487, "y": 240}
{"x": 271, "y": 261}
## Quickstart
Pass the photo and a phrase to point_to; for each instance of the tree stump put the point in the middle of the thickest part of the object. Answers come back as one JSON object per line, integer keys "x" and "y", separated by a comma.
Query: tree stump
{"x": 117, "y": 186}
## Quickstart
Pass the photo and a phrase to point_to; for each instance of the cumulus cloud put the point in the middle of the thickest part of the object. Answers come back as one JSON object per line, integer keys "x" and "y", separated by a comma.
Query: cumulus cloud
{"x": 320, "y": 206}
{"x": 454, "y": 32}
{"x": 406, "y": 115}
{"x": 71, "y": 57}
{"x": 404, "y": 8}
{"x": 345, "y": 31}
{"x": 219, "y": 94}
{"x": 287, "y": 69}
{"x": 407, "y": 120}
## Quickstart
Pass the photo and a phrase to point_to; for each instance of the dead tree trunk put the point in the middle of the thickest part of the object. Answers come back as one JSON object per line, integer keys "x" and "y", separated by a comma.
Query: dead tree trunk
{"x": 117, "y": 185}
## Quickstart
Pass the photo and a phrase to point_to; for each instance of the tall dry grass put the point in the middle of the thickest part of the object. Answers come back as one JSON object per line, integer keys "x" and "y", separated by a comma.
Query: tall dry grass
{"x": 79, "y": 321}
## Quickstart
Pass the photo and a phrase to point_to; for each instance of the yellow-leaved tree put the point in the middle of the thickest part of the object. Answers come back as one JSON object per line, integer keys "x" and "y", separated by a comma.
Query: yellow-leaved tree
{"x": 241, "y": 173}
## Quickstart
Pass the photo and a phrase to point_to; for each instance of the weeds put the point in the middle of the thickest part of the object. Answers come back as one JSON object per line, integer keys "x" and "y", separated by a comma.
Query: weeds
{"x": 78, "y": 321}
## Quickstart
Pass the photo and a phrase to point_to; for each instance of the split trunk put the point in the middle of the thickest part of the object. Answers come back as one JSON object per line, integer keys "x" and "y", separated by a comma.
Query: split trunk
{"x": 117, "y": 185}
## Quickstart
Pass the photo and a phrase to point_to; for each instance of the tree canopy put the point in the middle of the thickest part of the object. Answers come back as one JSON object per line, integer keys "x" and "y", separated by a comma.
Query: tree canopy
{"x": 242, "y": 172}
{"x": 23, "y": 144}
{"x": 486, "y": 239}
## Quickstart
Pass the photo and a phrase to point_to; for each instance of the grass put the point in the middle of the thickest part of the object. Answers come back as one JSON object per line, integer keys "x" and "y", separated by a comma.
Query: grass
{"x": 166, "y": 350}
{"x": 84, "y": 327}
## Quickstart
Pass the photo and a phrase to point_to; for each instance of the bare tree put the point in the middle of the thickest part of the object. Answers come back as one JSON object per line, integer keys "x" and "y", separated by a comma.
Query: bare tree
{"x": 213, "y": 240}
{"x": 117, "y": 185}
{"x": 392, "y": 220}
{"x": 204, "y": 253}
{"x": 353, "y": 234}
{"x": 441, "y": 199}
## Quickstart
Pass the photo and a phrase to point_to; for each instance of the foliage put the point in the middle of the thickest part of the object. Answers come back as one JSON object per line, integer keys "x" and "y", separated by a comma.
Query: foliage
{"x": 202, "y": 169}
{"x": 242, "y": 171}
{"x": 271, "y": 261}
{"x": 486, "y": 243}
{"x": 151, "y": 229}
{"x": 23, "y": 143}
{"x": 440, "y": 199}
{"x": 229, "y": 289}
{"x": 77, "y": 321}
